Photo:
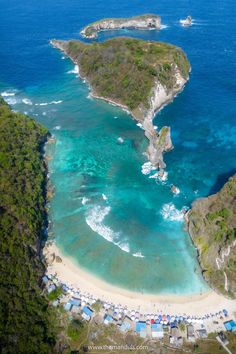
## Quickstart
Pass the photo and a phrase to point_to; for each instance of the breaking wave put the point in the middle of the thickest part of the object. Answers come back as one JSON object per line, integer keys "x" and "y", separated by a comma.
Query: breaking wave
{"x": 57, "y": 127}
{"x": 74, "y": 71}
{"x": 9, "y": 97}
{"x": 27, "y": 101}
{"x": 138, "y": 254}
{"x": 164, "y": 26}
{"x": 147, "y": 168}
{"x": 7, "y": 94}
{"x": 47, "y": 103}
{"x": 84, "y": 200}
{"x": 94, "y": 220}
{"x": 170, "y": 212}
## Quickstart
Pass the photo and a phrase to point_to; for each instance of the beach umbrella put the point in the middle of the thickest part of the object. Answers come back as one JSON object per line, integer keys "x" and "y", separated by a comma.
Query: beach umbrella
{"x": 160, "y": 317}
{"x": 152, "y": 321}
{"x": 168, "y": 317}
{"x": 164, "y": 317}
{"x": 156, "y": 317}
{"x": 225, "y": 312}
{"x": 172, "y": 318}
{"x": 133, "y": 318}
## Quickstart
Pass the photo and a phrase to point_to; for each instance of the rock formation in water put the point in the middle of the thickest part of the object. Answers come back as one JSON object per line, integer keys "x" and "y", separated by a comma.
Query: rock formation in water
{"x": 212, "y": 227}
{"x": 140, "y": 76}
{"x": 142, "y": 22}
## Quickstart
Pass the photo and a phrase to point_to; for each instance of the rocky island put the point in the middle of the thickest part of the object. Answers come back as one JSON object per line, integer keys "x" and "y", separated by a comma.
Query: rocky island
{"x": 212, "y": 227}
{"x": 142, "y": 22}
{"x": 140, "y": 76}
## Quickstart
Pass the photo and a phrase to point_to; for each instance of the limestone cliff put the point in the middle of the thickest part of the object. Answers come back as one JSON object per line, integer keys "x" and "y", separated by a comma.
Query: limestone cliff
{"x": 142, "y": 22}
{"x": 137, "y": 75}
{"x": 212, "y": 226}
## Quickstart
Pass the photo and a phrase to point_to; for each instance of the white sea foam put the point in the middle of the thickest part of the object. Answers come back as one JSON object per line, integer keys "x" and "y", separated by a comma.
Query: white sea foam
{"x": 156, "y": 176}
{"x": 74, "y": 71}
{"x": 7, "y": 94}
{"x": 9, "y": 97}
{"x": 124, "y": 247}
{"x": 164, "y": 26}
{"x": 44, "y": 113}
{"x": 170, "y": 212}
{"x": 115, "y": 117}
{"x": 27, "y": 101}
{"x": 140, "y": 125}
{"x": 84, "y": 200}
{"x": 90, "y": 97}
{"x": 177, "y": 191}
{"x": 57, "y": 127}
{"x": 138, "y": 254}
{"x": 56, "y": 102}
{"x": 104, "y": 197}
{"x": 120, "y": 140}
{"x": 63, "y": 58}
{"x": 11, "y": 100}
{"x": 47, "y": 103}
{"x": 147, "y": 168}
{"x": 94, "y": 220}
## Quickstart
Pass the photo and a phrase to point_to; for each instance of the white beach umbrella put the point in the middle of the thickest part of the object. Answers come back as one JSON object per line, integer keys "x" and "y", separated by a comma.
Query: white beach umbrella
{"x": 133, "y": 318}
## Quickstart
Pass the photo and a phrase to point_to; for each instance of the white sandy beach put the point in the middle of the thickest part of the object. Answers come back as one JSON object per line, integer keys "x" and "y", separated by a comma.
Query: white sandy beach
{"x": 70, "y": 273}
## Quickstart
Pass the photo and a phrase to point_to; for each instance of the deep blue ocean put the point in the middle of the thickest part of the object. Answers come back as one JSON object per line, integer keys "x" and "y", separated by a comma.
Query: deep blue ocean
{"x": 115, "y": 221}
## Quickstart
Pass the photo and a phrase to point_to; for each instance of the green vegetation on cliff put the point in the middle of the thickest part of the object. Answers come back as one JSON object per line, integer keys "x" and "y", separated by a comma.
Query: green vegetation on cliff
{"x": 126, "y": 70}
{"x": 25, "y": 323}
{"x": 212, "y": 226}
{"x": 146, "y": 21}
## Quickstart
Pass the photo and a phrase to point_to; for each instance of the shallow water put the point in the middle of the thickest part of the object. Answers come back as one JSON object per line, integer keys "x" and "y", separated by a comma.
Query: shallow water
{"x": 114, "y": 220}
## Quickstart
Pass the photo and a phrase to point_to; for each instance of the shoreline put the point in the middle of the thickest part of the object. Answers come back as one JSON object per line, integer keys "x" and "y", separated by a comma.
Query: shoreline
{"x": 70, "y": 273}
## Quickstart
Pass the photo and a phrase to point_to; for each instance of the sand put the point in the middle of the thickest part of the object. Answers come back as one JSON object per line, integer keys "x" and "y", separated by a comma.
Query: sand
{"x": 72, "y": 274}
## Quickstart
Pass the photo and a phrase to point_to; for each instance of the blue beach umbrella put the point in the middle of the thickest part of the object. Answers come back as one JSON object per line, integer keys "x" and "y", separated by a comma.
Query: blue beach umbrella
{"x": 225, "y": 312}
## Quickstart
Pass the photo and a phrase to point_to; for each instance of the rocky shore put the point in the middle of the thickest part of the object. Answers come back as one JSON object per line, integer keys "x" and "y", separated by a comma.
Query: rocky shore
{"x": 160, "y": 95}
{"x": 142, "y": 22}
{"x": 211, "y": 224}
